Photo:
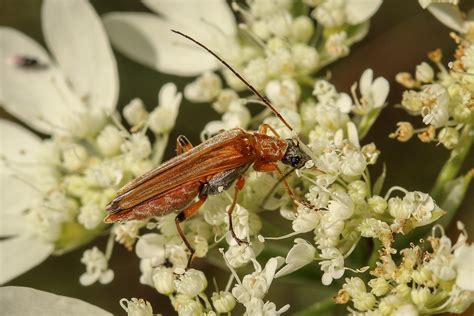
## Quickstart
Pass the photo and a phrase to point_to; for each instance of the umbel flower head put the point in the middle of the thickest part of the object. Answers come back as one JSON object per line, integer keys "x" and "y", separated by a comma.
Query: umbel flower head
{"x": 55, "y": 189}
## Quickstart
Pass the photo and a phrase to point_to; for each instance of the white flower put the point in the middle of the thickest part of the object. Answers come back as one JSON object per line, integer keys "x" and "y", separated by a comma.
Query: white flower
{"x": 373, "y": 92}
{"x": 299, "y": 255}
{"x": 204, "y": 88}
{"x": 256, "y": 284}
{"x": 96, "y": 268}
{"x": 333, "y": 266}
{"x": 334, "y": 13}
{"x": 163, "y": 117}
{"x": 109, "y": 141}
{"x": 239, "y": 255}
{"x": 305, "y": 221}
{"x": 284, "y": 93}
{"x": 91, "y": 215}
{"x": 135, "y": 113}
{"x": 306, "y": 58}
{"x": 424, "y": 72}
{"x": 449, "y": 14}
{"x": 463, "y": 258}
{"x": 336, "y": 45}
{"x": 258, "y": 307}
{"x": 26, "y": 301}
{"x": 136, "y": 307}
{"x": 353, "y": 163}
{"x": 147, "y": 39}
{"x": 138, "y": 146}
{"x": 164, "y": 280}
{"x": 82, "y": 76}
{"x": 420, "y": 205}
{"x": 406, "y": 310}
{"x": 342, "y": 207}
{"x": 436, "y": 99}
{"x": 191, "y": 283}
{"x": 223, "y": 301}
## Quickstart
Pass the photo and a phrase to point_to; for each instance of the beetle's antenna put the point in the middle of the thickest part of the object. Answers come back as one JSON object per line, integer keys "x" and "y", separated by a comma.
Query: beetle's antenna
{"x": 264, "y": 99}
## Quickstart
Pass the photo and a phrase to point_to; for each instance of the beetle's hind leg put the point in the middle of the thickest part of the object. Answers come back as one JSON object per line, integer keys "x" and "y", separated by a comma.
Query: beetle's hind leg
{"x": 238, "y": 187}
{"x": 182, "y": 216}
{"x": 183, "y": 144}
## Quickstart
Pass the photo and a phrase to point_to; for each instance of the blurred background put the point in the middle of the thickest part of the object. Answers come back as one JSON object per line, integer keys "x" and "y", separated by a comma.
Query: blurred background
{"x": 400, "y": 36}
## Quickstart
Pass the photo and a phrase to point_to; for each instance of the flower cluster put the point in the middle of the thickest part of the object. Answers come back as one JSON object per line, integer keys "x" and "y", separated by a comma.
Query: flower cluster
{"x": 429, "y": 278}
{"x": 57, "y": 187}
{"x": 443, "y": 97}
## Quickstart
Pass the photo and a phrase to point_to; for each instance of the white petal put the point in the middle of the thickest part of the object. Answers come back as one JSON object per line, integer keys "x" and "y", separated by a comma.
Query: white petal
{"x": 20, "y": 254}
{"x": 365, "y": 81}
{"x": 380, "y": 89}
{"x": 76, "y": 37}
{"x": 212, "y": 12}
{"x": 168, "y": 96}
{"x": 36, "y": 96}
{"x": 147, "y": 39}
{"x": 344, "y": 103}
{"x": 19, "y": 147}
{"x": 352, "y": 134}
{"x": 449, "y": 15}
{"x": 30, "y": 302}
{"x": 11, "y": 224}
{"x": 358, "y": 11}
{"x": 17, "y": 144}
{"x": 150, "y": 245}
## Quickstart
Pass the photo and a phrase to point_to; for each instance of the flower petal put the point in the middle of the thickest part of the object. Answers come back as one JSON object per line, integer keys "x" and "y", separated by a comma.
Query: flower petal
{"x": 380, "y": 89}
{"x": 358, "y": 11}
{"x": 25, "y": 301}
{"x": 76, "y": 37}
{"x": 212, "y": 12}
{"x": 39, "y": 96}
{"x": 365, "y": 82}
{"x": 18, "y": 147}
{"x": 20, "y": 254}
{"x": 147, "y": 39}
{"x": 449, "y": 15}
{"x": 11, "y": 224}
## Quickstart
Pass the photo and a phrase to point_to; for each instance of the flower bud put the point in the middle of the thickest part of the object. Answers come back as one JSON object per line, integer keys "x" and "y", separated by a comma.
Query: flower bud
{"x": 135, "y": 112}
{"x": 462, "y": 113}
{"x": 137, "y": 307}
{"x": 200, "y": 246}
{"x": 164, "y": 280}
{"x": 421, "y": 276}
{"x": 224, "y": 99}
{"x": 74, "y": 157}
{"x": 223, "y": 302}
{"x": 379, "y": 286}
{"x": 397, "y": 209}
{"x": 357, "y": 191}
{"x": 109, "y": 141}
{"x": 449, "y": 137}
{"x": 424, "y": 73}
{"x": 204, "y": 89}
{"x": 364, "y": 302}
{"x": 377, "y": 204}
{"x": 284, "y": 93}
{"x": 191, "y": 283}
{"x": 302, "y": 29}
{"x": 420, "y": 296}
{"x": 403, "y": 290}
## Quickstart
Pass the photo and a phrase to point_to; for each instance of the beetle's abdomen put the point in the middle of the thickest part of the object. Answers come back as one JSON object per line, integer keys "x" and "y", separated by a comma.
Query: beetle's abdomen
{"x": 163, "y": 204}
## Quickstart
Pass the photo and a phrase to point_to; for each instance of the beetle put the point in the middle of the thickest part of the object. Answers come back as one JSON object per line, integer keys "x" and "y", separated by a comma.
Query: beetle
{"x": 207, "y": 169}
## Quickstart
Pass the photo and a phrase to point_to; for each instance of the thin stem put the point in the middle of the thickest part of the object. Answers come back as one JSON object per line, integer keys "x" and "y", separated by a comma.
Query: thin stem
{"x": 451, "y": 168}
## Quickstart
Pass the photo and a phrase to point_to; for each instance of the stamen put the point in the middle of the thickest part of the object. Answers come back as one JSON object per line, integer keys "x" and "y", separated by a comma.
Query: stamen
{"x": 221, "y": 250}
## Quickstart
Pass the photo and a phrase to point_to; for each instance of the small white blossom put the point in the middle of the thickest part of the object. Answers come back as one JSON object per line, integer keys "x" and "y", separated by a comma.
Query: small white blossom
{"x": 91, "y": 215}
{"x": 223, "y": 301}
{"x": 301, "y": 254}
{"x": 204, "y": 88}
{"x": 135, "y": 113}
{"x": 109, "y": 141}
{"x": 136, "y": 307}
{"x": 333, "y": 266}
{"x": 163, "y": 117}
{"x": 96, "y": 268}
{"x": 285, "y": 93}
{"x": 164, "y": 280}
{"x": 191, "y": 283}
{"x": 336, "y": 45}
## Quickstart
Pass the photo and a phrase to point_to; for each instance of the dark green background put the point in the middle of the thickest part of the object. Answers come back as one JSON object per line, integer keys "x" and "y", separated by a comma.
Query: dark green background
{"x": 400, "y": 36}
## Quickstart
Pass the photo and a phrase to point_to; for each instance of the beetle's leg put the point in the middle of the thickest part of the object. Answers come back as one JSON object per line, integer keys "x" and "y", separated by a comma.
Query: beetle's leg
{"x": 183, "y": 144}
{"x": 270, "y": 167}
{"x": 265, "y": 127}
{"x": 185, "y": 214}
{"x": 238, "y": 187}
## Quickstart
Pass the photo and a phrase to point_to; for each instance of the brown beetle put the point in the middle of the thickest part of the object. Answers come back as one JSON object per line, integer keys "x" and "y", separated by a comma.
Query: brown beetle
{"x": 207, "y": 169}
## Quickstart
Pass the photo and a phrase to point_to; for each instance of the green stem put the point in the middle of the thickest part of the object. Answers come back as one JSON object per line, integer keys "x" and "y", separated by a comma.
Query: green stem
{"x": 451, "y": 168}
{"x": 367, "y": 122}
{"x": 317, "y": 308}
{"x": 374, "y": 256}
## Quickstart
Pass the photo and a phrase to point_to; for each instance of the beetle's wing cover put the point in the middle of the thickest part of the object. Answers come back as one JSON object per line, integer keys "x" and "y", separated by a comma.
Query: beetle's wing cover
{"x": 219, "y": 153}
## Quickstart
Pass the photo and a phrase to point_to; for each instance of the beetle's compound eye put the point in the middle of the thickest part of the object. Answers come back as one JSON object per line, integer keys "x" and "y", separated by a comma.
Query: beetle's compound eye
{"x": 295, "y": 160}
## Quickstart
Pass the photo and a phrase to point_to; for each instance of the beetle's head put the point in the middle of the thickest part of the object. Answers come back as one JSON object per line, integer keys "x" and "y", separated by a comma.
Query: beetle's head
{"x": 294, "y": 155}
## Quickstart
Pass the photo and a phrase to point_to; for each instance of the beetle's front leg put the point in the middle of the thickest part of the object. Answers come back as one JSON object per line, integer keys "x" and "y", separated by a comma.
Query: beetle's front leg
{"x": 263, "y": 128}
